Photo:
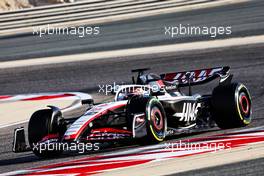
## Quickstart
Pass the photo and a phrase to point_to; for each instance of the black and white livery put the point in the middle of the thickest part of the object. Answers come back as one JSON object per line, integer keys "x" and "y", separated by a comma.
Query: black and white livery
{"x": 148, "y": 110}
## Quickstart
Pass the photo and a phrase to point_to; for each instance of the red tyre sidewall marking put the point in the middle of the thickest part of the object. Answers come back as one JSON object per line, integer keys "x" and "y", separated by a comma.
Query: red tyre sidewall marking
{"x": 153, "y": 112}
{"x": 243, "y": 99}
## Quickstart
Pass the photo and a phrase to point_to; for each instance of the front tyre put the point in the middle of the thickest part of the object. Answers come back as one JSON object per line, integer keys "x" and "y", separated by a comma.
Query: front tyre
{"x": 39, "y": 126}
{"x": 156, "y": 121}
{"x": 232, "y": 106}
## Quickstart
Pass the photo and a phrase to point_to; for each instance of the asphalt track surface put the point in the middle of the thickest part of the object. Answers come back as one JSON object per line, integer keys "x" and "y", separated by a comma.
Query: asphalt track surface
{"x": 247, "y": 63}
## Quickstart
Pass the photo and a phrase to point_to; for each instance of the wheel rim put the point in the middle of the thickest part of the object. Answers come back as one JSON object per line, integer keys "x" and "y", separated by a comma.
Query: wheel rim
{"x": 156, "y": 118}
{"x": 244, "y": 104}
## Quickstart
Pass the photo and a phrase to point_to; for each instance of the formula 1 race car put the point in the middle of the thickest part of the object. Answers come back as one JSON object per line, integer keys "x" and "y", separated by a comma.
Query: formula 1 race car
{"x": 147, "y": 111}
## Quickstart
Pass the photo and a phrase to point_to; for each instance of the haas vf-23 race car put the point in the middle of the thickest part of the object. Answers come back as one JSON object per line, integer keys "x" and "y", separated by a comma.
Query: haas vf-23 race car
{"x": 147, "y": 111}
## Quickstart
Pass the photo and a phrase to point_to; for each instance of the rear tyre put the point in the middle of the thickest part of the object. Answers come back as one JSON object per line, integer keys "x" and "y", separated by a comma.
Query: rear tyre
{"x": 231, "y": 106}
{"x": 40, "y": 126}
{"x": 156, "y": 121}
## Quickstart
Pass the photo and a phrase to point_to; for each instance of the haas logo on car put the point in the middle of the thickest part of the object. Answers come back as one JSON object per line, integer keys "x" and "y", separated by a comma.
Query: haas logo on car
{"x": 189, "y": 112}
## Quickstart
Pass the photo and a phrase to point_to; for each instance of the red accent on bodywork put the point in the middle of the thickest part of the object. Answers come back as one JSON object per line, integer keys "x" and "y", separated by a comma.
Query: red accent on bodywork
{"x": 160, "y": 83}
{"x": 106, "y": 134}
{"x": 50, "y": 136}
{"x": 208, "y": 71}
{"x": 109, "y": 130}
{"x": 170, "y": 76}
{"x": 197, "y": 73}
{"x": 74, "y": 136}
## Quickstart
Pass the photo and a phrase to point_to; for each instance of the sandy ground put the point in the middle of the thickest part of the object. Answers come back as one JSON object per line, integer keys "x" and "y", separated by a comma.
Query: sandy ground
{"x": 12, "y": 113}
{"x": 17, "y": 112}
{"x": 9, "y": 5}
{"x": 6, "y": 5}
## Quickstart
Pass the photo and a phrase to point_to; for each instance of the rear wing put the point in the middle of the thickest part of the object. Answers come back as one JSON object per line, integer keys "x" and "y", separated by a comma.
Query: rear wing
{"x": 196, "y": 77}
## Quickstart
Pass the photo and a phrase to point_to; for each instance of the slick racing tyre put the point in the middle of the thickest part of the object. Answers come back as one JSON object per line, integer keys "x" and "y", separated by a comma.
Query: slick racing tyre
{"x": 231, "y": 106}
{"x": 39, "y": 126}
{"x": 156, "y": 121}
